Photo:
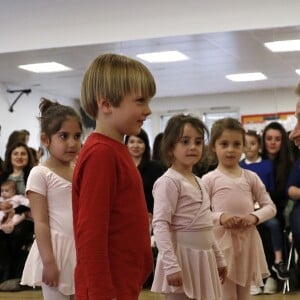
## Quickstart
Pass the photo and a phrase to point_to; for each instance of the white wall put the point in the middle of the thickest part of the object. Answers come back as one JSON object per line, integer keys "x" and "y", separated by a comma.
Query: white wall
{"x": 254, "y": 102}
{"x": 24, "y": 115}
{"x": 99, "y": 21}
{"x": 246, "y": 103}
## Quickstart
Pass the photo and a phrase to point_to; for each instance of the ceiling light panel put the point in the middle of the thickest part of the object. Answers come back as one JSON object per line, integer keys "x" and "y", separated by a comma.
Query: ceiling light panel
{"x": 163, "y": 57}
{"x": 284, "y": 46}
{"x": 48, "y": 67}
{"x": 244, "y": 77}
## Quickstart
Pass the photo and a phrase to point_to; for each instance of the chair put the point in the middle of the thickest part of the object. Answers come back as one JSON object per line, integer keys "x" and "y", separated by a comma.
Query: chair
{"x": 292, "y": 257}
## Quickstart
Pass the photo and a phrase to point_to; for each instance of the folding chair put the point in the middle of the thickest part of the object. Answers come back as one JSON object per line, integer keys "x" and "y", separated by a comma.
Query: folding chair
{"x": 291, "y": 260}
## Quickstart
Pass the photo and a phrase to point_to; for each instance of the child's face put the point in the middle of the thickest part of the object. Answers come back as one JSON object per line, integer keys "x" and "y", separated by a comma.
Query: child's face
{"x": 129, "y": 116}
{"x": 66, "y": 143}
{"x": 251, "y": 148}
{"x": 229, "y": 148}
{"x": 136, "y": 146}
{"x": 273, "y": 140}
{"x": 7, "y": 191}
{"x": 188, "y": 150}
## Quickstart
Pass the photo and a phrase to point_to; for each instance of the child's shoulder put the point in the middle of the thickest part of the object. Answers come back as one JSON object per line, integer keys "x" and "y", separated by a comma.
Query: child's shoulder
{"x": 210, "y": 174}
{"x": 169, "y": 176}
{"x": 100, "y": 141}
{"x": 249, "y": 175}
{"x": 101, "y": 147}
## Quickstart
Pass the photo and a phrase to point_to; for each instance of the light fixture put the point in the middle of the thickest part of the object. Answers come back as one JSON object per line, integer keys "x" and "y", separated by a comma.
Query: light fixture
{"x": 298, "y": 71}
{"x": 284, "y": 46}
{"x": 243, "y": 77}
{"x": 47, "y": 67}
{"x": 163, "y": 57}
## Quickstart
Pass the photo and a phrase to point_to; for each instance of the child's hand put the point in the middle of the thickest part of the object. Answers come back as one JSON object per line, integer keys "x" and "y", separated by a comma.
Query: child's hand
{"x": 222, "y": 273}
{"x": 175, "y": 279}
{"x": 248, "y": 220}
{"x": 5, "y": 205}
{"x": 50, "y": 274}
{"x": 229, "y": 221}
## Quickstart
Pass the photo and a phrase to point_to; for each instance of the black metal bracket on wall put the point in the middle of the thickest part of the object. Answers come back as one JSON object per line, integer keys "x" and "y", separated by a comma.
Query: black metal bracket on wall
{"x": 21, "y": 92}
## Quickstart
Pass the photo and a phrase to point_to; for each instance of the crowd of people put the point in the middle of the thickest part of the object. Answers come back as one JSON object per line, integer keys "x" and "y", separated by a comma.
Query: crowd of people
{"x": 80, "y": 222}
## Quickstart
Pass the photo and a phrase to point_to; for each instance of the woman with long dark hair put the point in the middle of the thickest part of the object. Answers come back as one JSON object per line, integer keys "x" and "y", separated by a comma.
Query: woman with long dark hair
{"x": 14, "y": 246}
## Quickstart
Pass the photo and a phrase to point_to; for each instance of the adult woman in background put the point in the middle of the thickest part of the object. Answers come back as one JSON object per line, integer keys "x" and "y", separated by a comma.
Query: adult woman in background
{"x": 276, "y": 147}
{"x": 15, "y": 137}
{"x": 14, "y": 246}
{"x": 150, "y": 170}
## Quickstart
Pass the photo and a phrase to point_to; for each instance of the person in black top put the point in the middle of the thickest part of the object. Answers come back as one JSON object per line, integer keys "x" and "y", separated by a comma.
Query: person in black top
{"x": 150, "y": 170}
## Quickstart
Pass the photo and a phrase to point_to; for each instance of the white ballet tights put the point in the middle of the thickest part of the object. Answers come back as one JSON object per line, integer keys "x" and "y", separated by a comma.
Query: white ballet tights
{"x": 52, "y": 293}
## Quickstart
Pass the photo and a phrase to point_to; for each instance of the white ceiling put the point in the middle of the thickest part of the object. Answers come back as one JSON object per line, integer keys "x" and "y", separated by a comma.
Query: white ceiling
{"x": 212, "y": 56}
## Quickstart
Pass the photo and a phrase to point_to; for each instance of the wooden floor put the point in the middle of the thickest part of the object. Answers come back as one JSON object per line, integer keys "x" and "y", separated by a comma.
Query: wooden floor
{"x": 146, "y": 295}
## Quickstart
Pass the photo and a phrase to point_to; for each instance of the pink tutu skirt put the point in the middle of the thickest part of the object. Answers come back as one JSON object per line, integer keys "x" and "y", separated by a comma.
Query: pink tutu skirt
{"x": 244, "y": 253}
{"x": 197, "y": 261}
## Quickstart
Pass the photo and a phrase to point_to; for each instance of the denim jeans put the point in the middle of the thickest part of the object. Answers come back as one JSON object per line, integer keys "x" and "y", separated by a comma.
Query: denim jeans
{"x": 295, "y": 225}
{"x": 276, "y": 232}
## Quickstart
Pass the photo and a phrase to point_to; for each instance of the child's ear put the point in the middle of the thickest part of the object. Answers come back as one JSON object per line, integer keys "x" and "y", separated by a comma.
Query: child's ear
{"x": 104, "y": 105}
{"x": 45, "y": 140}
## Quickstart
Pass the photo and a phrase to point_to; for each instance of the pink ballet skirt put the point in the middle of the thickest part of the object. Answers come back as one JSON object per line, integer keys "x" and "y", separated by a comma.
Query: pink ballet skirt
{"x": 64, "y": 253}
{"x": 244, "y": 255}
{"x": 197, "y": 261}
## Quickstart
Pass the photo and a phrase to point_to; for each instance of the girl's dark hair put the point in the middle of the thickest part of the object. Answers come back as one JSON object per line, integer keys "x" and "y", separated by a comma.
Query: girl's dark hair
{"x": 53, "y": 114}
{"x": 156, "y": 151}
{"x": 16, "y": 136}
{"x": 174, "y": 131}
{"x": 8, "y": 167}
{"x": 146, "y": 155}
{"x": 254, "y": 134}
{"x": 283, "y": 160}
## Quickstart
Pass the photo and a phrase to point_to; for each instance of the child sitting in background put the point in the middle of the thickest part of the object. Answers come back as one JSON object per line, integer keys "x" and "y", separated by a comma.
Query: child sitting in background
{"x": 254, "y": 162}
{"x": 8, "y": 217}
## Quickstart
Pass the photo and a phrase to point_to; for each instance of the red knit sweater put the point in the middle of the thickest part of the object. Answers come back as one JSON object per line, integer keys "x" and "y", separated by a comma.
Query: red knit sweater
{"x": 111, "y": 227}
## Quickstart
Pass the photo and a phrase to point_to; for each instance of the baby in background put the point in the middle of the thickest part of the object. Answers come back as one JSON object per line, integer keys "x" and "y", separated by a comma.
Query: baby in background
{"x": 9, "y": 201}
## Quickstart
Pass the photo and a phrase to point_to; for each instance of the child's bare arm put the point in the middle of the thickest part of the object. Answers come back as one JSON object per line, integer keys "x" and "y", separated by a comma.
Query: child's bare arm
{"x": 39, "y": 209}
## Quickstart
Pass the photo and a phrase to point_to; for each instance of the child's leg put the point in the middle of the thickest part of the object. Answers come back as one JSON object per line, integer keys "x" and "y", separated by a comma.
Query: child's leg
{"x": 174, "y": 296}
{"x": 229, "y": 290}
{"x": 243, "y": 293}
{"x": 277, "y": 237}
{"x": 51, "y": 293}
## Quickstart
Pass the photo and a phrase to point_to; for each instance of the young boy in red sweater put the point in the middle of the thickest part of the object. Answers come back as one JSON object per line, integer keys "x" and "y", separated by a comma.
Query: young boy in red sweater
{"x": 111, "y": 226}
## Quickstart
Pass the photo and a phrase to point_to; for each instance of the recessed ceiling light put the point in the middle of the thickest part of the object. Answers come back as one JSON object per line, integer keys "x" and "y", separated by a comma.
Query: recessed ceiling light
{"x": 163, "y": 57}
{"x": 246, "y": 76}
{"x": 284, "y": 46}
{"x": 48, "y": 67}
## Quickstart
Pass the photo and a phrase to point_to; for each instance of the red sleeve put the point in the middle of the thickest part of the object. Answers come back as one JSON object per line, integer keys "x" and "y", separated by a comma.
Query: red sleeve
{"x": 94, "y": 187}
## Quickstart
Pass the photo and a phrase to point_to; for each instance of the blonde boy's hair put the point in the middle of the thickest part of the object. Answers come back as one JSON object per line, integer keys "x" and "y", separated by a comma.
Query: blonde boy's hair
{"x": 112, "y": 77}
